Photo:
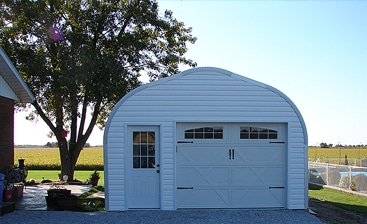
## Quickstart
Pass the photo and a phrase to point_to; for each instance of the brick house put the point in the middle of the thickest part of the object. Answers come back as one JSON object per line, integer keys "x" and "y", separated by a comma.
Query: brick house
{"x": 12, "y": 89}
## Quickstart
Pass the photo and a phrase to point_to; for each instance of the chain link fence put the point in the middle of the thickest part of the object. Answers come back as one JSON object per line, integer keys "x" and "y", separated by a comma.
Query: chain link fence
{"x": 342, "y": 176}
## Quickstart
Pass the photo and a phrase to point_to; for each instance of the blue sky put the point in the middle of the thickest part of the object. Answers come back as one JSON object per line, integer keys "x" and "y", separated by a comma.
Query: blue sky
{"x": 313, "y": 51}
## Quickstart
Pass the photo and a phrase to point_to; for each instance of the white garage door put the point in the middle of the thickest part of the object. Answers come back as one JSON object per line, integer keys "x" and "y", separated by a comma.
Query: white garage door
{"x": 230, "y": 165}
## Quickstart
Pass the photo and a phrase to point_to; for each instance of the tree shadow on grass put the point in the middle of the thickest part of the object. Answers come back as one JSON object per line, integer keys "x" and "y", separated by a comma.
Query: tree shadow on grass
{"x": 353, "y": 208}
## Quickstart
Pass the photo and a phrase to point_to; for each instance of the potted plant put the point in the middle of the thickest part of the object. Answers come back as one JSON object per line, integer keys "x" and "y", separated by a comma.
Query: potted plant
{"x": 18, "y": 190}
{"x": 54, "y": 192}
{"x": 94, "y": 177}
{"x": 69, "y": 202}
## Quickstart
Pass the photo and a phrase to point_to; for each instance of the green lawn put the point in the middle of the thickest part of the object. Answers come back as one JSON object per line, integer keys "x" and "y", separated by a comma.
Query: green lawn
{"x": 81, "y": 175}
{"x": 344, "y": 200}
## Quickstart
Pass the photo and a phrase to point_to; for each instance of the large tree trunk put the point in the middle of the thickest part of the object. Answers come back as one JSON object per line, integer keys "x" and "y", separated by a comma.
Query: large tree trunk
{"x": 69, "y": 152}
{"x": 69, "y": 157}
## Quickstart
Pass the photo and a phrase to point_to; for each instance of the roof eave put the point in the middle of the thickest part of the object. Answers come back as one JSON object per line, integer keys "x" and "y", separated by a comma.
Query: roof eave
{"x": 14, "y": 80}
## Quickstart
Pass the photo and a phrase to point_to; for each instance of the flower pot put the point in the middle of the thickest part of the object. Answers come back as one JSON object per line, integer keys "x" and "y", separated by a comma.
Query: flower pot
{"x": 51, "y": 201}
{"x": 94, "y": 182}
{"x": 58, "y": 192}
{"x": 67, "y": 202}
{"x": 8, "y": 195}
{"x": 18, "y": 191}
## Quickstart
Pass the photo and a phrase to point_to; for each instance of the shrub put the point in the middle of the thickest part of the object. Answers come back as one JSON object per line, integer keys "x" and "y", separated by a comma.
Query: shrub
{"x": 344, "y": 182}
{"x": 353, "y": 186}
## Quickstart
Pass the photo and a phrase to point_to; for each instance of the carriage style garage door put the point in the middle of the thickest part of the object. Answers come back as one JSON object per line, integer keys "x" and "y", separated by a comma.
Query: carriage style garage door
{"x": 231, "y": 165}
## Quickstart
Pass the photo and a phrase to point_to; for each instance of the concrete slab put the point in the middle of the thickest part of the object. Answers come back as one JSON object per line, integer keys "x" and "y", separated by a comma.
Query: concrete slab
{"x": 99, "y": 194}
{"x": 34, "y": 196}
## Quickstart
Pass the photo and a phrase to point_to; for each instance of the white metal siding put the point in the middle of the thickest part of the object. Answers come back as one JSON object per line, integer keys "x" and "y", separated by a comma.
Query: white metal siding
{"x": 6, "y": 91}
{"x": 200, "y": 95}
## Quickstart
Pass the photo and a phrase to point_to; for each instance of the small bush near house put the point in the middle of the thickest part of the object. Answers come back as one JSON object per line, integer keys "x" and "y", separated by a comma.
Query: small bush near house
{"x": 90, "y": 205}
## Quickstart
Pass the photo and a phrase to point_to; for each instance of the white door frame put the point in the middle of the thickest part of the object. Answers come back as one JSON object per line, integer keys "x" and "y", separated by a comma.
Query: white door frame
{"x": 143, "y": 170}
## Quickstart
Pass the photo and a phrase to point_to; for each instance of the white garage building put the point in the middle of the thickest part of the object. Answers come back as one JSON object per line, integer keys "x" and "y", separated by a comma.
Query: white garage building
{"x": 205, "y": 138}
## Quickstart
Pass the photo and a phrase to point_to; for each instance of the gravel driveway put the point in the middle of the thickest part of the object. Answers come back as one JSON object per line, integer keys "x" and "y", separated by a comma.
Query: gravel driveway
{"x": 158, "y": 216}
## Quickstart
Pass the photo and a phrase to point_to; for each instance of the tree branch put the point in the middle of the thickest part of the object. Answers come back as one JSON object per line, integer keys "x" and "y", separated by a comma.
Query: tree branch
{"x": 43, "y": 116}
{"x": 83, "y": 117}
{"x": 83, "y": 138}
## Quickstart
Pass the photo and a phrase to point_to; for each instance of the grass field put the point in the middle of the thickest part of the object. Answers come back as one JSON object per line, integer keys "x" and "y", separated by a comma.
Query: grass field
{"x": 49, "y": 158}
{"x": 92, "y": 158}
{"x": 317, "y": 152}
{"x": 337, "y": 155}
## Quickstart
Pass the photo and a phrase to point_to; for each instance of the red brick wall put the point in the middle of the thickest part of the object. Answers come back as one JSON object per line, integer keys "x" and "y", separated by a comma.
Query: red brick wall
{"x": 6, "y": 133}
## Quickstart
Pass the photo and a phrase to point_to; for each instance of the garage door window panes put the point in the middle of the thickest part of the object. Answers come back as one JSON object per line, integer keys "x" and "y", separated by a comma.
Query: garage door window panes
{"x": 204, "y": 133}
{"x": 257, "y": 133}
{"x": 143, "y": 149}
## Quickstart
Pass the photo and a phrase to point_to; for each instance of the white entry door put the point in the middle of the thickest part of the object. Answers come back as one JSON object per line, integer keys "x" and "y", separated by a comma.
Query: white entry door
{"x": 143, "y": 156}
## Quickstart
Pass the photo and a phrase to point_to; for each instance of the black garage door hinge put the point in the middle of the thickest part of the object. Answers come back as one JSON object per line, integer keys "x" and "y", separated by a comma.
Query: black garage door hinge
{"x": 276, "y": 187}
{"x": 276, "y": 142}
{"x": 189, "y": 142}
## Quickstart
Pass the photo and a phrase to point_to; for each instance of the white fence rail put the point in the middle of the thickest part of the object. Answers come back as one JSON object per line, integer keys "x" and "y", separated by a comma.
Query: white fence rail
{"x": 342, "y": 176}
{"x": 341, "y": 161}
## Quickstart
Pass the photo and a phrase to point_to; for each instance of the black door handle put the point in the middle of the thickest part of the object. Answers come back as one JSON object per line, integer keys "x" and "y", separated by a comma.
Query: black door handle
{"x": 231, "y": 153}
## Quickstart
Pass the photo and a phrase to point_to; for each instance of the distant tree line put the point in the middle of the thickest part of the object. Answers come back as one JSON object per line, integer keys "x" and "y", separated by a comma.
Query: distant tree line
{"x": 326, "y": 145}
{"x": 56, "y": 144}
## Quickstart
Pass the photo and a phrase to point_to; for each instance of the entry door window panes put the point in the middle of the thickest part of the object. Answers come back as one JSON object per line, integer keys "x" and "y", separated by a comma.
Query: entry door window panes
{"x": 143, "y": 149}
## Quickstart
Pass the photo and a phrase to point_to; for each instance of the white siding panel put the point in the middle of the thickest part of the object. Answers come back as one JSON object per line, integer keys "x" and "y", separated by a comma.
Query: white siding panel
{"x": 6, "y": 91}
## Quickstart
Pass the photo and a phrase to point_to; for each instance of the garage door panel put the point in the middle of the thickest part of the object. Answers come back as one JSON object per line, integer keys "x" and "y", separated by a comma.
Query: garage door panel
{"x": 203, "y": 198}
{"x": 257, "y": 198}
{"x": 203, "y": 176}
{"x": 260, "y": 155}
{"x": 271, "y": 176}
{"x": 202, "y": 155}
{"x": 243, "y": 176}
{"x": 258, "y": 176}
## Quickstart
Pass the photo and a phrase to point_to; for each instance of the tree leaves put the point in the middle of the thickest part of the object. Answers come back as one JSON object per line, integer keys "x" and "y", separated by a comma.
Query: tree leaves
{"x": 85, "y": 55}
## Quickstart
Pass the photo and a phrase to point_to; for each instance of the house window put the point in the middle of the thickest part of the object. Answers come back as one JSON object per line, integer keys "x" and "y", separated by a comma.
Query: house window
{"x": 257, "y": 133}
{"x": 143, "y": 149}
{"x": 204, "y": 133}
